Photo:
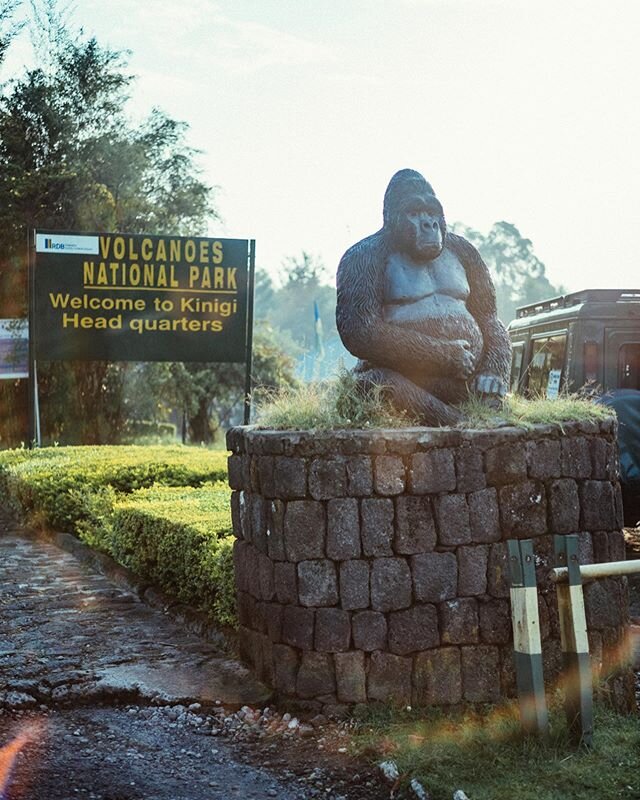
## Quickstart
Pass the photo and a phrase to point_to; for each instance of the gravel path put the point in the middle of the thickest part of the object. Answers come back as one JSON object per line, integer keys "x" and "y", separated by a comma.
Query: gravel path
{"x": 120, "y": 703}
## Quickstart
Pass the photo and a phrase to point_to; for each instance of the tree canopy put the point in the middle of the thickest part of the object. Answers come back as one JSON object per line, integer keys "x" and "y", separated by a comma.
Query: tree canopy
{"x": 518, "y": 274}
{"x": 72, "y": 159}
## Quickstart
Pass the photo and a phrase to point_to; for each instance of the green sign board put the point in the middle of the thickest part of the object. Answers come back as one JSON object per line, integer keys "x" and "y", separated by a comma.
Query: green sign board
{"x": 120, "y": 297}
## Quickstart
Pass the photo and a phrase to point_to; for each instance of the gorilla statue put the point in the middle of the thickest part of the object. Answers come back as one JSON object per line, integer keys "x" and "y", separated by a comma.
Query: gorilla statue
{"x": 417, "y": 306}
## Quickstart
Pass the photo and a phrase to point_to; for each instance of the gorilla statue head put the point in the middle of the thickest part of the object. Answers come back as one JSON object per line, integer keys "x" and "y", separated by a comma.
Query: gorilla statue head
{"x": 413, "y": 217}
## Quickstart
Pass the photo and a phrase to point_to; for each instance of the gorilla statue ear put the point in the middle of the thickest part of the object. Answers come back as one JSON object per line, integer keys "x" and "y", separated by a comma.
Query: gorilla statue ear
{"x": 404, "y": 182}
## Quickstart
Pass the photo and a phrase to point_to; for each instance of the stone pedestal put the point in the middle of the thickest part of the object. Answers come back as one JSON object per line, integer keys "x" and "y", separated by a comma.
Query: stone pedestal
{"x": 371, "y": 565}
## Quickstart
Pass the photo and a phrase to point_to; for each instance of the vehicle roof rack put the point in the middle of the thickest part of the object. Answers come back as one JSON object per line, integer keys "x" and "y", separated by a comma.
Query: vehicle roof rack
{"x": 576, "y": 298}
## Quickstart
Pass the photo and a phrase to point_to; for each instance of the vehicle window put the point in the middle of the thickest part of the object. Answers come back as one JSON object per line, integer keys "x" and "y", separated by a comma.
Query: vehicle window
{"x": 516, "y": 365}
{"x": 629, "y": 366}
{"x": 547, "y": 363}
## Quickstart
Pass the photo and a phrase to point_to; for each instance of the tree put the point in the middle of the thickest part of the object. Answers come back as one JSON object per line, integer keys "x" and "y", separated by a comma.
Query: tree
{"x": 518, "y": 274}
{"x": 70, "y": 159}
{"x": 210, "y": 396}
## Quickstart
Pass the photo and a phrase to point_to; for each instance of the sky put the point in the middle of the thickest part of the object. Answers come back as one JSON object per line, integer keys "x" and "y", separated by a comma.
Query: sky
{"x": 520, "y": 110}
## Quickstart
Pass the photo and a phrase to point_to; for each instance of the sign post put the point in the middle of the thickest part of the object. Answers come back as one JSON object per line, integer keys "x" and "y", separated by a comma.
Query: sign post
{"x": 134, "y": 297}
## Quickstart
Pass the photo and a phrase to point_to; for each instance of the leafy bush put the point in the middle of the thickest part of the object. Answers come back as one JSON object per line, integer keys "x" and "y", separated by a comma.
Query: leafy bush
{"x": 53, "y": 482}
{"x": 179, "y": 538}
{"x": 163, "y": 512}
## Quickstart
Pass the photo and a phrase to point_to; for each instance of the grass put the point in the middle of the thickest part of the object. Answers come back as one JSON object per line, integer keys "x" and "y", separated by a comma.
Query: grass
{"x": 327, "y": 405}
{"x": 485, "y": 755}
{"x": 524, "y": 413}
{"x": 340, "y": 403}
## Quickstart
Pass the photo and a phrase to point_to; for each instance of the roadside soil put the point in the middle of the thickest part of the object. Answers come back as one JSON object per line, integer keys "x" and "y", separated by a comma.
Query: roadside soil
{"x": 141, "y": 754}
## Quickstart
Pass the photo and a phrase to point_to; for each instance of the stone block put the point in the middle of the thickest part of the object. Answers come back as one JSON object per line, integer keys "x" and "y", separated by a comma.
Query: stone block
{"x": 351, "y": 679}
{"x": 472, "y": 569}
{"x": 619, "y": 506}
{"x": 498, "y": 571}
{"x": 246, "y": 609}
{"x": 459, "y": 621}
{"x": 354, "y": 584}
{"x": 377, "y": 526}
{"x": 245, "y": 517}
{"x": 415, "y": 528}
{"x": 286, "y": 662}
{"x": 480, "y": 674}
{"x": 389, "y": 678}
{"x": 506, "y": 463}
{"x": 585, "y": 548}
{"x": 327, "y": 478}
{"x": 564, "y": 506}
{"x": 285, "y": 582}
{"x": 274, "y": 615}
{"x": 617, "y": 549}
{"x": 603, "y": 458}
{"x": 260, "y": 617}
{"x": 275, "y": 530}
{"x": 414, "y": 629}
{"x": 304, "y": 530}
{"x": 484, "y": 516}
{"x": 258, "y": 515}
{"x": 343, "y": 529}
{"x": 369, "y": 631}
{"x": 543, "y": 459}
{"x": 435, "y": 577}
{"x": 600, "y": 540}
{"x": 575, "y": 457}
{"x": 495, "y": 621}
{"x": 597, "y": 505}
{"x": 239, "y": 565}
{"x": 452, "y": 517}
{"x": 266, "y": 577}
{"x": 290, "y": 477}
{"x": 470, "y": 472}
{"x": 432, "y": 472}
{"x": 437, "y": 677}
{"x": 390, "y": 584}
{"x": 297, "y": 627}
{"x": 333, "y": 630}
{"x": 604, "y": 603}
{"x": 235, "y": 515}
{"x": 266, "y": 476}
{"x": 523, "y": 510}
{"x": 235, "y": 472}
{"x": 359, "y": 476}
{"x": 389, "y": 477}
{"x": 317, "y": 583}
{"x": 316, "y": 675}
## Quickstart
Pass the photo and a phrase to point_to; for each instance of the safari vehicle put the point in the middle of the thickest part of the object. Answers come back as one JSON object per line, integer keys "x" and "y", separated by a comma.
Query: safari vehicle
{"x": 588, "y": 340}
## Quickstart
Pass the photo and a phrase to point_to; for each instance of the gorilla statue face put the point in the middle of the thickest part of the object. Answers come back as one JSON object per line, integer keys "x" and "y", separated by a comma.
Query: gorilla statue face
{"x": 413, "y": 216}
{"x": 418, "y": 228}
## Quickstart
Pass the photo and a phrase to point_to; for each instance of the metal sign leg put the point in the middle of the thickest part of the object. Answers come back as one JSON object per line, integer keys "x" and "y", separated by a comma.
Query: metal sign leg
{"x": 527, "y": 644}
{"x": 575, "y": 643}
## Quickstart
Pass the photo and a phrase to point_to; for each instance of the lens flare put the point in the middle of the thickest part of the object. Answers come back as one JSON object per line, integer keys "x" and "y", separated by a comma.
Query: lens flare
{"x": 9, "y": 753}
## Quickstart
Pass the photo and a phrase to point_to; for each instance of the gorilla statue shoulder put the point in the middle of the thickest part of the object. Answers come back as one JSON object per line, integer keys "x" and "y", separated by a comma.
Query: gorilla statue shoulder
{"x": 417, "y": 306}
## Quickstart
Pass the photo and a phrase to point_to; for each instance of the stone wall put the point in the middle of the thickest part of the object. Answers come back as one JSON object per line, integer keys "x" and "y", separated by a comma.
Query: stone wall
{"x": 371, "y": 565}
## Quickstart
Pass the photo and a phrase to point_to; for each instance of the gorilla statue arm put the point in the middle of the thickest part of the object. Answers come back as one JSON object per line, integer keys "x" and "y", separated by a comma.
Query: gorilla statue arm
{"x": 492, "y": 370}
{"x": 360, "y": 319}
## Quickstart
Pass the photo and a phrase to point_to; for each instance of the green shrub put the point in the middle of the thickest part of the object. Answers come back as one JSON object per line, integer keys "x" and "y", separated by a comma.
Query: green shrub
{"x": 179, "y": 538}
{"x": 164, "y": 512}
{"x": 52, "y": 482}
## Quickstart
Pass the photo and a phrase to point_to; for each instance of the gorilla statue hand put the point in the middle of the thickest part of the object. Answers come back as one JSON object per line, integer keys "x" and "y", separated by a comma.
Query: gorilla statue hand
{"x": 461, "y": 357}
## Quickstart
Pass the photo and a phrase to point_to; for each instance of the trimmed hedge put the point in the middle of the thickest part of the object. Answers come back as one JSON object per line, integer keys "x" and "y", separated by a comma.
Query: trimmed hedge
{"x": 163, "y": 512}
{"x": 53, "y": 483}
{"x": 179, "y": 538}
